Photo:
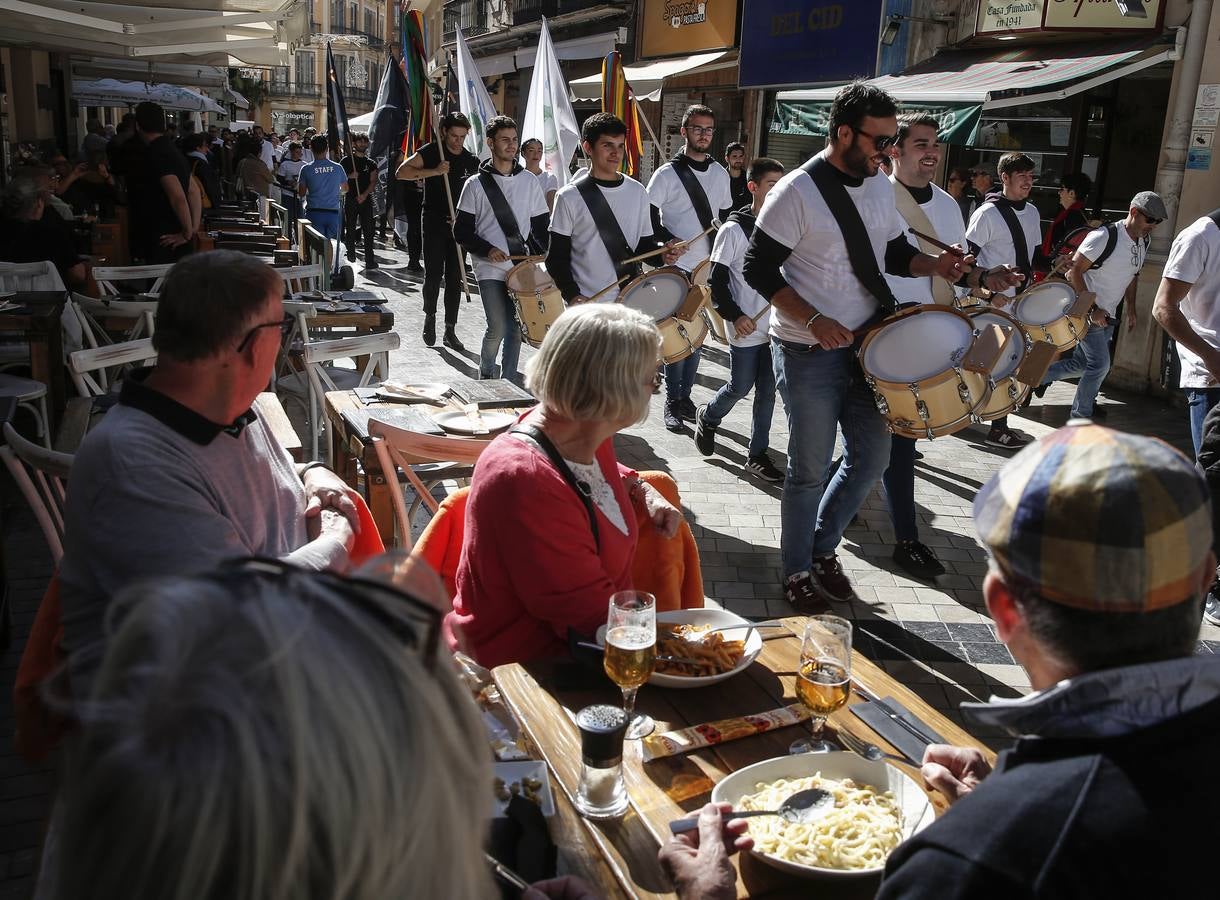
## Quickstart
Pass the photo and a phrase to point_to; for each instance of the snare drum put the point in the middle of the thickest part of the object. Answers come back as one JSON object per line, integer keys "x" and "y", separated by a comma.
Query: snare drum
{"x": 659, "y": 294}
{"x": 1045, "y": 309}
{"x": 699, "y": 277}
{"x": 685, "y": 331}
{"x": 537, "y": 302}
{"x": 1006, "y": 392}
{"x": 913, "y": 363}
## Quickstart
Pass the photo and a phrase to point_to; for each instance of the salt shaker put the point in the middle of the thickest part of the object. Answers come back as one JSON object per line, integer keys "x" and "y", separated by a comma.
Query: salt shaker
{"x": 602, "y": 794}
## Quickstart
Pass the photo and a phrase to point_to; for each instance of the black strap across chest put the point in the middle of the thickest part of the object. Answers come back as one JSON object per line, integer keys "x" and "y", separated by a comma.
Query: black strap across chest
{"x": 1214, "y": 215}
{"x": 1019, "y": 243}
{"x": 538, "y": 436}
{"x": 504, "y": 216}
{"x": 855, "y": 234}
{"x": 694, "y": 190}
{"x": 607, "y": 226}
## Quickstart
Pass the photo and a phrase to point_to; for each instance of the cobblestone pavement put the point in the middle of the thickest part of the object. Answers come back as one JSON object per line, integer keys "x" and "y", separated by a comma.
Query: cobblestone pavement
{"x": 936, "y": 638}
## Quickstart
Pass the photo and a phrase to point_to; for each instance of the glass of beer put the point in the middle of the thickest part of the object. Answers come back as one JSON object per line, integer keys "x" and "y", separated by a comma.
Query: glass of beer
{"x": 823, "y": 683}
{"x": 631, "y": 651}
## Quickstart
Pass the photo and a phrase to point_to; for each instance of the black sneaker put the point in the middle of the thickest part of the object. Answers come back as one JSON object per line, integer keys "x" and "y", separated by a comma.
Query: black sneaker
{"x": 830, "y": 581}
{"x": 451, "y": 341}
{"x": 918, "y": 560}
{"x": 705, "y": 435}
{"x": 372, "y": 267}
{"x": 429, "y": 330}
{"x": 414, "y": 267}
{"x": 1005, "y": 439}
{"x": 1040, "y": 390}
{"x": 802, "y": 593}
{"x": 686, "y": 409}
{"x": 672, "y": 422}
{"x": 762, "y": 467}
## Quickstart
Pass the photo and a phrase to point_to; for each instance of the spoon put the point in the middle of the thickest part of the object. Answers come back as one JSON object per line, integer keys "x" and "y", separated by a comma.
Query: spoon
{"x": 803, "y": 806}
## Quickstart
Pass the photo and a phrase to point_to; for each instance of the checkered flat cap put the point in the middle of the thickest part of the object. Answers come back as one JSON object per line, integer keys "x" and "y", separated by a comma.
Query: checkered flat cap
{"x": 1098, "y": 519}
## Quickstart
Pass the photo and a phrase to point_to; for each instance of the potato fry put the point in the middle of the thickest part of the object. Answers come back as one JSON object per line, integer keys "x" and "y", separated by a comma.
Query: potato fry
{"x": 712, "y": 653}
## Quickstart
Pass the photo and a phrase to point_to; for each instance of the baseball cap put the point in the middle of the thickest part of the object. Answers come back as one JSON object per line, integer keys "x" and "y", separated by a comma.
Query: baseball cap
{"x": 1150, "y": 203}
{"x": 1098, "y": 520}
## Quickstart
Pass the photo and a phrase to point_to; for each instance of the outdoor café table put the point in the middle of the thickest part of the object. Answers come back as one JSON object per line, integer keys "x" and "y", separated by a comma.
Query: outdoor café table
{"x": 677, "y": 786}
{"x": 352, "y": 450}
{"x": 36, "y": 317}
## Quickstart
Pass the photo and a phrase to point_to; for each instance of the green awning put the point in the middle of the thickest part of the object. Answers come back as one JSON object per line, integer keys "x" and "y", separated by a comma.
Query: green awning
{"x": 958, "y": 122}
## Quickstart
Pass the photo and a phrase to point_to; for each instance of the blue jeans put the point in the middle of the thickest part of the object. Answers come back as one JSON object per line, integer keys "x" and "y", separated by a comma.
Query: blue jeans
{"x": 680, "y": 377}
{"x": 821, "y": 388}
{"x": 899, "y": 482}
{"x": 501, "y": 326}
{"x": 328, "y": 223}
{"x": 1201, "y": 401}
{"x": 1090, "y": 361}
{"x": 749, "y": 367}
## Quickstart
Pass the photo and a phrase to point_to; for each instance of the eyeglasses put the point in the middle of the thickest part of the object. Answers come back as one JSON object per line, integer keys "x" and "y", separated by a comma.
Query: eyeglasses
{"x": 880, "y": 141}
{"x": 1149, "y": 219}
{"x": 701, "y": 129}
{"x": 284, "y": 325}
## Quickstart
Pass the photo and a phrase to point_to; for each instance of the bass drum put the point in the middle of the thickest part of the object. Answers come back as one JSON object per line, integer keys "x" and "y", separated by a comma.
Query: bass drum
{"x": 1007, "y": 394}
{"x": 537, "y": 302}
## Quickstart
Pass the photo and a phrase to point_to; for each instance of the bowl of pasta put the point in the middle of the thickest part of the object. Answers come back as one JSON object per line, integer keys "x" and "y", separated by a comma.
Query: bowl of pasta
{"x": 876, "y": 807}
{"x": 714, "y": 644}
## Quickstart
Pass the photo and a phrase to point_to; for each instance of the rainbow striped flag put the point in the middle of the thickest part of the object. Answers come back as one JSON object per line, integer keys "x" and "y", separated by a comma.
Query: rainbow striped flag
{"x": 617, "y": 98}
{"x": 419, "y": 94}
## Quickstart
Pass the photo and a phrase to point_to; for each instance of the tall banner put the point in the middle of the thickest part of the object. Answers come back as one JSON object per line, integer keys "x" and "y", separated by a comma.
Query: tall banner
{"x": 548, "y": 111}
{"x": 390, "y": 113}
{"x": 473, "y": 100}
{"x": 618, "y": 98}
{"x": 336, "y": 111}
{"x": 414, "y": 69}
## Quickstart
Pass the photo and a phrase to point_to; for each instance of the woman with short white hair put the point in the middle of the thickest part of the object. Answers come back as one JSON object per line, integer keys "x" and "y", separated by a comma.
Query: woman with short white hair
{"x": 551, "y": 518}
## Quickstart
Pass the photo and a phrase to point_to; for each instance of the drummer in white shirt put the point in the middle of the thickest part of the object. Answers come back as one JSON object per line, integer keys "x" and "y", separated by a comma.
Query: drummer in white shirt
{"x": 1106, "y": 263}
{"x": 531, "y": 152}
{"x": 1187, "y": 306}
{"x": 579, "y": 260}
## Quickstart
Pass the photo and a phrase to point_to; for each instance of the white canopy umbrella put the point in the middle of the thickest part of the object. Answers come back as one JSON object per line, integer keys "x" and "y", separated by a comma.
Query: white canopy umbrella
{"x": 363, "y": 122}
{"x": 110, "y": 92}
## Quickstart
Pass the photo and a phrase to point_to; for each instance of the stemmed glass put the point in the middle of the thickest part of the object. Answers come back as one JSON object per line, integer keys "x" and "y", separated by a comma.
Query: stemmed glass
{"x": 631, "y": 651}
{"x": 823, "y": 683}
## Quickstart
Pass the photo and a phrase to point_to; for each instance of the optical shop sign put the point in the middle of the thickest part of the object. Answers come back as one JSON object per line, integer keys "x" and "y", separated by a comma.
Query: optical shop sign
{"x": 1004, "y": 16}
{"x": 788, "y": 43}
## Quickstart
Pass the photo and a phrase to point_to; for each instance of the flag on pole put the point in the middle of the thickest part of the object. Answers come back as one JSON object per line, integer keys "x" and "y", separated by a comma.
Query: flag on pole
{"x": 548, "y": 111}
{"x": 449, "y": 98}
{"x": 419, "y": 95}
{"x": 618, "y": 98}
{"x": 336, "y": 111}
{"x": 390, "y": 113}
{"x": 473, "y": 100}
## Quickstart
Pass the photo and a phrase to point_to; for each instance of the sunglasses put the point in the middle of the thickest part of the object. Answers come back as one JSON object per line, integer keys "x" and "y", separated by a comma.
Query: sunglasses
{"x": 284, "y": 324}
{"x": 1149, "y": 219}
{"x": 880, "y": 141}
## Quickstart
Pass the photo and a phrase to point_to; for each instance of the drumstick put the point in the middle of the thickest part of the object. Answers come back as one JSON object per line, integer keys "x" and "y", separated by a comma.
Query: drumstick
{"x": 659, "y": 250}
{"x": 935, "y": 243}
{"x": 610, "y": 287}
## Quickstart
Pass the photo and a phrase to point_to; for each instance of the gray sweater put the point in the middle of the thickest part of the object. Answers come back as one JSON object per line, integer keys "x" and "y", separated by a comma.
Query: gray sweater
{"x": 156, "y": 489}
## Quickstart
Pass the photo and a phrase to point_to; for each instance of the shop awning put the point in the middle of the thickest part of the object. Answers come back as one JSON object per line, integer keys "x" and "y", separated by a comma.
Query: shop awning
{"x": 957, "y": 86}
{"x": 109, "y": 92}
{"x": 646, "y": 79}
{"x": 593, "y": 46}
{"x": 210, "y": 32}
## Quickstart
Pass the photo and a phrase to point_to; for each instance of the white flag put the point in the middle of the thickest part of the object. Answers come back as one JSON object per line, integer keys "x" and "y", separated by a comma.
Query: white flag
{"x": 473, "y": 100}
{"x": 548, "y": 112}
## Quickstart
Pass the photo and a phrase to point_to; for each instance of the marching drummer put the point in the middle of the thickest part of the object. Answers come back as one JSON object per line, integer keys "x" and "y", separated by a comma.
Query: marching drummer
{"x": 600, "y": 220}
{"x": 502, "y": 213}
{"x": 688, "y": 195}
{"x": 822, "y": 238}
{"x": 745, "y": 312}
{"x": 929, "y": 210}
{"x": 1106, "y": 263}
{"x": 1005, "y": 230}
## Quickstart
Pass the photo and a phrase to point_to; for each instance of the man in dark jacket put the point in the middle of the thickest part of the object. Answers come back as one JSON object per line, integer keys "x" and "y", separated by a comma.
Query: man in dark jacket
{"x": 1100, "y": 546}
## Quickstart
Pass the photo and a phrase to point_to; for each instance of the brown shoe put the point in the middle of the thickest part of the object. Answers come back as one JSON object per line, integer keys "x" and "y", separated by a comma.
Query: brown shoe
{"x": 830, "y": 581}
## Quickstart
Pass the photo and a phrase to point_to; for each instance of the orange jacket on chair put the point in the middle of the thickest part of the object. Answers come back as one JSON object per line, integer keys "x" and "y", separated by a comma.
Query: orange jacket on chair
{"x": 668, "y": 568}
{"x": 440, "y": 545}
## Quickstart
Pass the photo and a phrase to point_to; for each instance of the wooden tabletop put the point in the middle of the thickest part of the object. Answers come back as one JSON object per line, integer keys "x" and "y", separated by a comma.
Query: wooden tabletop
{"x": 670, "y": 788}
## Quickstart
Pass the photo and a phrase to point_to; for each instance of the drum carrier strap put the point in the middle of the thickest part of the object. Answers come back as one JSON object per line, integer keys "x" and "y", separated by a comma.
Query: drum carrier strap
{"x": 517, "y": 245}
{"x": 607, "y": 226}
{"x": 583, "y": 491}
{"x": 855, "y": 235}
{"x": 1018, "y": 237}
{"x": 694, "y": 190}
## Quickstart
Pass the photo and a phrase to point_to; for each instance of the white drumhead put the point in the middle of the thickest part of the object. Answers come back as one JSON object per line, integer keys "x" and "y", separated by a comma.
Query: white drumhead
{"x": 1014, "y": 347}
{"x": 919, "y": 346}
{"x": 1045, "y": 303}
{"x": 657, "y": 294}
{"x": 529, "y": 276}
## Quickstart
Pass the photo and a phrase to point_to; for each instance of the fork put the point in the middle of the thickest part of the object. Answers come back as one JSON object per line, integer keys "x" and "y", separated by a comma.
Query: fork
{"x": 863, "y": 748}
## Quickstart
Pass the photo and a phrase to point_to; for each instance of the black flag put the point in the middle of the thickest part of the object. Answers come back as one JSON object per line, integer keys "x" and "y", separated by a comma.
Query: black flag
{"x": 390, "y": 112}
{"x": 336, "y": 110}
{"x": 450, "y": 103}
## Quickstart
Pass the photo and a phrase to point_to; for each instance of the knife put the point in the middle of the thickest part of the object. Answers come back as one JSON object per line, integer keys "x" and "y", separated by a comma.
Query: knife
{"x": 910, "y": 727}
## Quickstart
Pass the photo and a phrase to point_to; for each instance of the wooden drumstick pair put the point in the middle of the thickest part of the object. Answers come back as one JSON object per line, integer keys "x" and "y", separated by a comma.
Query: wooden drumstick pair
{"x": 651, "y": 253}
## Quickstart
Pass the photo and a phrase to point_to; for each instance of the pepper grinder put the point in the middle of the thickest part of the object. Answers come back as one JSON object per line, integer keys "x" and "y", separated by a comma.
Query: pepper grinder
{"x": 602, "y": 794}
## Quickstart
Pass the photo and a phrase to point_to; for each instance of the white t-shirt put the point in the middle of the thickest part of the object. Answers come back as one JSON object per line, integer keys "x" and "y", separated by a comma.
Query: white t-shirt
{"x": 795, "y": 215}
{"x": 666, "y": 193}
{"x": 990, "y": 232}
{"x": 267, "y": 154}
{"x": 729, "y": 250}
{"x": 291, "y": 169}
{"x": 1195, "y": 258}
{"x": 1111, "y": 281}
{"x": 548, "y": 181}
{"x": 591, "y": 263}
{"x": 946, "y": 218}
{"x": 524, "y": 196}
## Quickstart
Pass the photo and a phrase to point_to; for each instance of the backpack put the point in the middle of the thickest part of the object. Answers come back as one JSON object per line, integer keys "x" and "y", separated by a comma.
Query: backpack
{"x": 203, "y": 194}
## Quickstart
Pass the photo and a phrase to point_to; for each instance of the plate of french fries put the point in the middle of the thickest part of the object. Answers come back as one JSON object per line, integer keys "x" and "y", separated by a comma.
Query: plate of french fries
{"x": 704, "y": 646}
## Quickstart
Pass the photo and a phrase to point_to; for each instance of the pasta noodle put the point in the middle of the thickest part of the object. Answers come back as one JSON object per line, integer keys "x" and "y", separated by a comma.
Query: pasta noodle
{"x": 859, "y": 832}
{"x": 711, "y": 653}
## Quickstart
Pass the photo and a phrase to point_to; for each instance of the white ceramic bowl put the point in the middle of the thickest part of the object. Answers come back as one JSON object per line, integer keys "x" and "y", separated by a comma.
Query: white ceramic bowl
{"x": 917, "y": 812}
{"x": 717, "y": 618}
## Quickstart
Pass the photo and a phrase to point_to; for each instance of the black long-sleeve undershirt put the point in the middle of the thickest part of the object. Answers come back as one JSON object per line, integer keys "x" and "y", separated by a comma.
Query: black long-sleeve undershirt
{"x": 559, "y": 266}
{"x": 722, "y": 294}
{"x": 659, "y": 231}
{"x": 466, "y": 235}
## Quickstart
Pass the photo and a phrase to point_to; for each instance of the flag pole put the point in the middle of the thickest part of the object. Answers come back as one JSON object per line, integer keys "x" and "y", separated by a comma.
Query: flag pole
{"x": 461, "y": 253}
{"x": 648, "y": 125}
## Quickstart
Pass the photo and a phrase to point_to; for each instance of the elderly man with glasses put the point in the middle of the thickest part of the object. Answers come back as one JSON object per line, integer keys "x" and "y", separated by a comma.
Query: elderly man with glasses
{"x": 183, "y": 474}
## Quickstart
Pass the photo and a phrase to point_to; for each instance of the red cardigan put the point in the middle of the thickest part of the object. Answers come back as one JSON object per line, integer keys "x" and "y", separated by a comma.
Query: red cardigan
{"x": 529, "y": 567}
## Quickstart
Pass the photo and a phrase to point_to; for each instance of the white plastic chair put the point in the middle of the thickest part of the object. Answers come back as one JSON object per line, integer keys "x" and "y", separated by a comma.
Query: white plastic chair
{"x": 321, "y": 375}
{"x": 109, "y": 278}
{"x": 141, "y": 314}
{"x": 42, "y": 477}
{"x": 90, "y": 368}
{"x": 301, "y": 278}
{"x": 37, "y": 276}
{"x": 32, "y": 396}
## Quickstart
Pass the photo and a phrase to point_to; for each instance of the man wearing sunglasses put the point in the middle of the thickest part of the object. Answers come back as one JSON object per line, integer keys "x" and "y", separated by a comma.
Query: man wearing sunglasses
{"x": 822, "y": 271}
{"x": 182, "y": 474}
{"x": 1106, "y": 263}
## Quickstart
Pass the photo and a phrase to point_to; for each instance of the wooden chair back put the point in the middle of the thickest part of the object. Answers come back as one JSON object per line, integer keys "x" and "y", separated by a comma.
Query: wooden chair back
{"x": 36, "y": 276}
{"x": 110, "y": 278}
{"x": 91, "y": 369}
{"x": 42, "y": 478}
{"x": 301, "y": 278}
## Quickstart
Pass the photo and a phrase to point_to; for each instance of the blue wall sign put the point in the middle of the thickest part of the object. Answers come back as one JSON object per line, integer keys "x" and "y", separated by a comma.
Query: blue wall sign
{"x": 792, "y": 43}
